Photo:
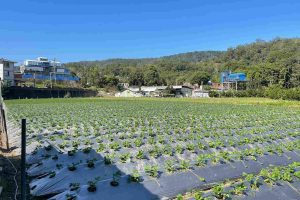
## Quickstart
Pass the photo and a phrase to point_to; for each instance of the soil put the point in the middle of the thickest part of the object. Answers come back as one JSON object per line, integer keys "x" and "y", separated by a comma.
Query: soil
{"x": 7, "y": 176}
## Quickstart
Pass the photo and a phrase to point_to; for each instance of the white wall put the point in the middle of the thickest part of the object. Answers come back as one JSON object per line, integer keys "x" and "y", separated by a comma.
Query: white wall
{"x": 1, "y": 71}
{"x": 7, "y": 73}
{"x": 37, "y": 69}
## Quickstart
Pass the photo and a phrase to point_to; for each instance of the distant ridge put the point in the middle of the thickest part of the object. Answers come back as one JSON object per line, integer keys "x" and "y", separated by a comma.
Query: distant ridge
{"x": 195, "y": 56}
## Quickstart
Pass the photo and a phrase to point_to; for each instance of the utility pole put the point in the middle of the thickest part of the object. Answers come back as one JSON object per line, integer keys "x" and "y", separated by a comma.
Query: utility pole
{"x": 54, "y": 63}
{"x": 50, "y": 80}
{"x": 34, "y": 79}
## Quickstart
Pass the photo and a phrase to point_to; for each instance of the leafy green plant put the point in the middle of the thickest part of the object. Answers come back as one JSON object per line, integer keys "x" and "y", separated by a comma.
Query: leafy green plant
{"x": 201, "y": 160}
{"x": 155, "y": 152}
{"x": 151, "y": 170}
{"x": 115, "y": 146}
{"x": 127, "y": 144}
{"x": 199, "y": 196}
{"x": 179, "y": 197}
{"x": 167, "y": 150}
{"x": 52, "y": 174}
{"x": 239, "y": 189}
{"x": 59, "y": 166}
{"x": 253, "y": 180}
{"x": 55, "y": 157}
{"x": 169, "y": 166}
{"x": 179, "y": 149}
{"x": 138, "y": 142}
{"x": 286, "y": 176}
{"x": 87, "y": 150}
{"x": 108, "y": 159}
{"x": 101, "y": 147}
{"x": 71, "y": 197}
{"x": 72, "y": 167}
{"x": 184, "y": 165}
{"x": 124, "y": 157}
{"x": 74, "y": 186}
{"x": 140, "y": 155}
{"x": 297, "y": 174}
{"x": 48, "y": 148}
{"x": 71, "y": 152}
{"x": 191, "y": 147}
{"x": 90, "y": 163}
{"x": 92, "y": 185}
{"x": 135, "y": 176}
{"x": 115, "y": 179}
{"x": 219, "y": 193}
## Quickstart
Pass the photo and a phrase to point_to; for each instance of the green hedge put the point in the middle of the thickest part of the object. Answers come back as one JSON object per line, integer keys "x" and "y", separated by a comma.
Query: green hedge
{"x": 270, "y": 92}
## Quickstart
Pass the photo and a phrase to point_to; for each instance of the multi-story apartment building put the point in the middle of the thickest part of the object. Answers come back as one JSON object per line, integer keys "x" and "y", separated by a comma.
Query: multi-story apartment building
{"x": 7, "y": 71}
{"x": 41, "y": 64}
{"x": 44, "y": 69}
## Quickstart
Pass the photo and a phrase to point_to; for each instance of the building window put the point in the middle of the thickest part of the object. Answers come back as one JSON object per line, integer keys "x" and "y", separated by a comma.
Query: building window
{"x": 6, "y": 73}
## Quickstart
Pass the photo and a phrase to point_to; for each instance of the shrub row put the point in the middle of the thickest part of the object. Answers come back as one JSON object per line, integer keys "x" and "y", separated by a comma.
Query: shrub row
{"x": 270, "y": 92}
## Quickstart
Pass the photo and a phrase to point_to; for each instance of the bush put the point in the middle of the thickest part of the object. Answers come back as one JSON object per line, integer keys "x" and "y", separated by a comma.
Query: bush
{"x": 293, "y": 94}
{"x": 273, "y": 92}
{"x": 213, "y": 93}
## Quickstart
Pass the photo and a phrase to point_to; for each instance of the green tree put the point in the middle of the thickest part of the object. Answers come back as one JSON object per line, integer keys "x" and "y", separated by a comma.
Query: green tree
{"x": 200, "y": 78}
{"x": 152, "y": 76}
{"x": 137, "y": 78}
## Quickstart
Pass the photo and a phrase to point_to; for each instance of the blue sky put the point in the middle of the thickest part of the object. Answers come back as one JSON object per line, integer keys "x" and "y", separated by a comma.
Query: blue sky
{"x": 73, "y": 30}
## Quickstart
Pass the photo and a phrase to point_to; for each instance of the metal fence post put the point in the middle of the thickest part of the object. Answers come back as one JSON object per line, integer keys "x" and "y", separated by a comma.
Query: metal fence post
{"x": 23, "y": 160}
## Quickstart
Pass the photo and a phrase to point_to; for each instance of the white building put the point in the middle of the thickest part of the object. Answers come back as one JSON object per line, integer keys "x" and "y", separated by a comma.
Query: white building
{"x": 41, "y": 64}
{"x": 182, "y": 90}
{"x": 200, "y": 93}
{"x": 128, "y": 93}
{"x": 148, "y": 91}
{"x": 7, "y": 71}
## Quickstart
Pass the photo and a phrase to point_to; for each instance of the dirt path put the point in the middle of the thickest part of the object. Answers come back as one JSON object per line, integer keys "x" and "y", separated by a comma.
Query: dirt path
{"x": 10, "y": 174}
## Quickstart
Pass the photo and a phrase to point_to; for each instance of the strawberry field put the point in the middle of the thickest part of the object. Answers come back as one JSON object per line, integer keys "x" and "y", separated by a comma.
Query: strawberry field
{"x": 149, "y": 149}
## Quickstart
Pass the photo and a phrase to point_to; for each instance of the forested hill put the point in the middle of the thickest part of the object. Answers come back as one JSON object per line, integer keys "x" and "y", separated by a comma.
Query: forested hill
{"x": 196, "y": 56}
{"x": 265, "y": 62}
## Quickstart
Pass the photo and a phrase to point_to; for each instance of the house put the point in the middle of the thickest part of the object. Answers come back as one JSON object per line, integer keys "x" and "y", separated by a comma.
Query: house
{"x": 182, "y": 91}
{"x": 198, "y": 93}
{"x": 160, "y": 91}
{"x": 7, "y": 71}
{"x": 153, "y": 91}
{"x": 134, "y": 89}
{"x": 128, "y": 93}
{"x": 148, "y": 91}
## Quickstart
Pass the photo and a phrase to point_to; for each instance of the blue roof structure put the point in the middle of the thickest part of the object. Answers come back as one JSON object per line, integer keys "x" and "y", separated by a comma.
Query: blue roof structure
{"x": 232, "y": 77}
{"x": 58, "y": 77}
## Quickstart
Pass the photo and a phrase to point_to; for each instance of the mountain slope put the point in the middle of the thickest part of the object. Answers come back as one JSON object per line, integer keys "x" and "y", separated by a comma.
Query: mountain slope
{"x": 265, "y": 63}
